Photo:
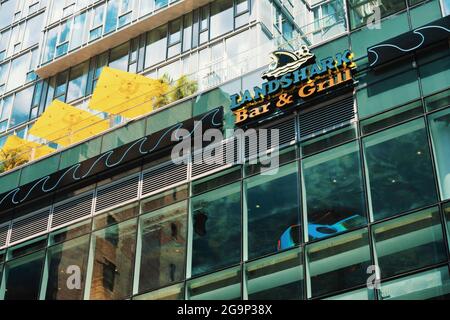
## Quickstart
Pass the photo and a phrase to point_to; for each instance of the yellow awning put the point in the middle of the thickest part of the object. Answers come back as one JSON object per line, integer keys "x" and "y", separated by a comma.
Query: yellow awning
{"x": 24, "y": 150}
{"x": 126, "y": 94}
{"x": 65, "y": 125}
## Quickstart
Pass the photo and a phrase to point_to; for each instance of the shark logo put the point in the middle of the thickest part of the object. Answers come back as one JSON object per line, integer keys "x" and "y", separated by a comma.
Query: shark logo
{"x": 284, "y": 62}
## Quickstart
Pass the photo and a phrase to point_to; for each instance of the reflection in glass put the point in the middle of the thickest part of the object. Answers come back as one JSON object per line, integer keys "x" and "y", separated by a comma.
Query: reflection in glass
{"x": 409, "y": 242}
{"x": 66, "y": 270}
{"x": 277, "y": 277}
{"x": 119, "y": 57}
{"x": 361, "y": 11}
{"x": 156, "y": 46}
{"x": 77, "y": 81}
{"x": 440, "y": 134}
{"x": 216, "y": 223}
{"x": 273, "y": 211}
{"x": 112, "y": 257}
{"x": 22, "y": 277}
{"x": 333, "y": 191}
{"x": 223, "y": 285}
{"x": 429, "y": 285}
{"x": 175, "y": 292}
{"x": 161, "y": 247}
{"x": 360, "y": 294}
{"x": 21, "y": 107}
{"x": 338, "y": 263}
{"x": 399, "y": 172}
{"x": 221, "y": 17}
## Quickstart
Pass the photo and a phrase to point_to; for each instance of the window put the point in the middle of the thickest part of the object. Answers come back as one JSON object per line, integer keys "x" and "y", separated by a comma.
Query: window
{"x": 21, "y": 66}
{"x": 440, "y": 133}
{"x": 125, "y": 13}
{"x": 361, "y": 11}
{"x": 172, "y": 293}
{"x": 61, "y": 85}
{"x": 160, "y": 3}
{"x": 78, "y": 31}
{"x": 429, "y": 285}
{"x": 62, "y": 45}
{"x": 66, "y": 270}
{"x": 224, "y": 285}
{"x": 77, "y": 81}
{"x": 277, "y": 277}
{"x": 112, "y": 258}
{"x": 156, "y": 46}
{"x": 119, "y": 57}
{"x": 112, "y": 11}
{"x": 22, "y": 277}
{"x": 221, "y": 17}
{"x": 34, "y": 25}
{"x": 187, "y": 32}
{"x": 21, "y": 107}
{"x": 410, "y": 242}
{"x": 399, "y": 173}
{"x": 204, "y": 24}
{"x": 97, "y": 23}
{"x": 333, "y": 191}
{"x": 273, "y": 211}
{"x": 174, "y": 38}
{"x": 216, "y": 224}
{"x": 6, "y": 13}
{"x": 338, "y": 263}
{"x": 162, "y": 242}
{"x": 50, "y": 44}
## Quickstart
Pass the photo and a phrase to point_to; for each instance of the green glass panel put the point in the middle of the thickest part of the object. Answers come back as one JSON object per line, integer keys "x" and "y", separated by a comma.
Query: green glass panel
{"x": 332, "y": 47}
{"x": 333, "y": 191}
{"x": 39, "y": 169}
{"x": 216, "y": 221}
{"x": 224, "y": 285}
{"x": 440, "y": 134}
{"x": 390, "y": 27}
{"x": 379, "y": 91}
{"x": 433, "y": 69}
{"x": 9, "y": 181}
{"x": 80, "y": 153}
{"x": 338, "y": 263}
{"x": 361, "y": 294}
{"x": 273, "y": 217}
{"x": 409, "y": 242}
{"x": 166, "y": 118}
{"x": 65, "y": 274}
{"x": 425, "y": 14}
{"x": 398, "y": 170}
{"x": 161, "y": 247}
{"x": 278, "y": 277}
{"x": 175, "y": 292}
{"x": 130, "y": 132}
{"x": 433, "y": 284}
{"x": 112, "y": 258}
{"x": 219, "y": 97}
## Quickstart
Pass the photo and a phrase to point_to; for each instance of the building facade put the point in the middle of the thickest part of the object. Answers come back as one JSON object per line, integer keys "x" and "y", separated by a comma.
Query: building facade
{"x": 358, "y": 207}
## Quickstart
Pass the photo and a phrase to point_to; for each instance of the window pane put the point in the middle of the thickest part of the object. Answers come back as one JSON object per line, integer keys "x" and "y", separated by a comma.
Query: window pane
{"x": 433, "y": 284}
{"x": 65, "y": 276}
{"x": 175, "y": 292}
{"x": 338, "y": 263}
{"x": 333, "y": 191}
{"x": 399, "y": 172}
{"x": 187, "y": 32}
{"x": 277, "y": 277}
{"x": 22, "y": 277}
{"x": 77, "y": 31}
{"x": 111, "y": 15}
{"x": 113, "y": 256}
{"x": 156, "y": 46}
{"x": 361, "y": 10}
{"x": 119, "y": 57}
{"x": 216, "y": 221}
{"x": 77, "y": 82}
{"x": 21, "y": 107}
{"x": 273, "y": 211}
{"x": 224, "y": 285}
{"x": 33, "y": 25}
{"x": 20, "y": 66}
{"x": 440, "y": 133}
{"x": 221, "y": 17}
{"x": 162, "y": 241}
{"x": 410, "y": 242}
{"x": 361, "y": 294}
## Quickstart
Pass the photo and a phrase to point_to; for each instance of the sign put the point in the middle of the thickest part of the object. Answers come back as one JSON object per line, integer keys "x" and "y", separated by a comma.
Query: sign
{"x": 292, "y": 78}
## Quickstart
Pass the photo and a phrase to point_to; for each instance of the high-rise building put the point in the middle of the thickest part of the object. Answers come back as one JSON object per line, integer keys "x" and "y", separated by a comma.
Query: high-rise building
{"x": 335, "y": 186}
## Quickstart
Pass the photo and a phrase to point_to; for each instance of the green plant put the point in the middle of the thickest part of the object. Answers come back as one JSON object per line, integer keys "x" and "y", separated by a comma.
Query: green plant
{"x": 175, "y": 90}
{"x": 10, "y": 160}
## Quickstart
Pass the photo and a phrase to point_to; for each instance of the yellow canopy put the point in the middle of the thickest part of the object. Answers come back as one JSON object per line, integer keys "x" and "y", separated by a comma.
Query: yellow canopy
{"x": 66, "y": 125}
{"x": 122, "y": 93}
{"x": 24, "y": 150}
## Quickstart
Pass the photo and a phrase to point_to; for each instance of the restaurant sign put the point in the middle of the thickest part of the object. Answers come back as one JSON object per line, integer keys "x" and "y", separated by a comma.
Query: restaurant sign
{"x": 292, "y": 78}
